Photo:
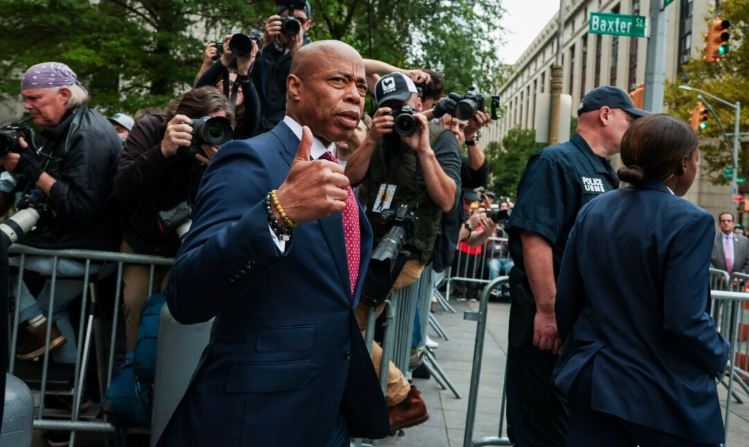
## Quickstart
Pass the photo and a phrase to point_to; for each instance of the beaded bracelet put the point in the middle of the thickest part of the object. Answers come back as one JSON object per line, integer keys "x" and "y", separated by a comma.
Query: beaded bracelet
{"x": 282, "y": 232}
{"x": 277, "y": 205}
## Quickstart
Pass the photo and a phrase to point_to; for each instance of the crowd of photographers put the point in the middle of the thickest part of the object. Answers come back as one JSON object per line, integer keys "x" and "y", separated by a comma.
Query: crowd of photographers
{"x": 85, "y": 181}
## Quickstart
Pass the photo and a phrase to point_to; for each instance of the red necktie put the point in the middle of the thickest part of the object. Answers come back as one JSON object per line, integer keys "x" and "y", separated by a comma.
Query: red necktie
{"x": 351, "y": 234}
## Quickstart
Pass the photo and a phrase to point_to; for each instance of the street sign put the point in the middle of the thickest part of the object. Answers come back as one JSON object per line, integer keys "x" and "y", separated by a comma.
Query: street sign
{"x": 737, "y": 198}
{"x": 617, "y": 24}
{"x": 666, "y": 3}
{"x": 741, "y": 180}
{"x": 728, "y": 173}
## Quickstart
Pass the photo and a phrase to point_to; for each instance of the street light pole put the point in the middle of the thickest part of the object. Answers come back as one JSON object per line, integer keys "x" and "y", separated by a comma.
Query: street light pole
{"x": 735, "y": 152}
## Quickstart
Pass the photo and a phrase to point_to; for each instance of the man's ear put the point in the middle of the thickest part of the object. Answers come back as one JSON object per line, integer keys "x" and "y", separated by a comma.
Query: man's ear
{"x": 293, "y": 86}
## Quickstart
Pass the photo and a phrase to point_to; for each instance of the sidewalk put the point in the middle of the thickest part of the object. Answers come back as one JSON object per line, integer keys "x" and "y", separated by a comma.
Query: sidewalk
{"x": 447, "y": 414}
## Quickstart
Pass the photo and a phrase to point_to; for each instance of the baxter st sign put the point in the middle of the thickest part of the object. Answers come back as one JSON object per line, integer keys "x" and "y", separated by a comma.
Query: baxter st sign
{"x": 617, "y": 24}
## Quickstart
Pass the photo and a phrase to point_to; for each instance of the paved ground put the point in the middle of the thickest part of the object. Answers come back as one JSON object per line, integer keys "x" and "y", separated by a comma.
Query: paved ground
{"x": 447, "y": 421}
{"x": 446, "y": 425}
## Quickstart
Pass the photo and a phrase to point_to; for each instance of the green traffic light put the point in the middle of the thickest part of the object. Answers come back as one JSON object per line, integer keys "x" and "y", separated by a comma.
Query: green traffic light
{"x": 723, "y": 49}
{"x": 703, "y": 126}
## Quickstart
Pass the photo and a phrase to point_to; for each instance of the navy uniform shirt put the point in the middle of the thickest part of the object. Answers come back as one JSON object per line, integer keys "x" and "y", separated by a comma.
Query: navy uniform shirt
{"x": 556, "y": 183}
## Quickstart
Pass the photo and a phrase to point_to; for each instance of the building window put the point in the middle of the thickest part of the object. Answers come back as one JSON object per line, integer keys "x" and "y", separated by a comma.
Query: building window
{"x": 572, "y": 68}
{"x": 584, "y": 65}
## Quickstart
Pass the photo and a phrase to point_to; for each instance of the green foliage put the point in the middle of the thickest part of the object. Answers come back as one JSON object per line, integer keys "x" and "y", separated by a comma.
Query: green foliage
{"x": 507, "y": 161}
{"x": 725, "y": 79}
{"x": 141, "y": 53}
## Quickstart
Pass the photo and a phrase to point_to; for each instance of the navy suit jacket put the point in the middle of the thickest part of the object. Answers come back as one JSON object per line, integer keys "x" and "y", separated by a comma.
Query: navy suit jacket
{"x": 631, "y": 298}
{"x": 285, "y": 357}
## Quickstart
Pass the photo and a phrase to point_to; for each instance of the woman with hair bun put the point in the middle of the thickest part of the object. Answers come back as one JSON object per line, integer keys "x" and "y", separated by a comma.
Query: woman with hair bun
{"x": 641, "y": 353}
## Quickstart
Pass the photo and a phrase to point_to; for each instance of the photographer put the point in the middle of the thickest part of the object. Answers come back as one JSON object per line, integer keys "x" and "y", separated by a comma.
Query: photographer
{"x": 404, "y": 161}
{"x": 230, "y": 74}
{"x": 66, "y": 180}
{"x": 273, "y": 63}
{"x": 160, "y": 168}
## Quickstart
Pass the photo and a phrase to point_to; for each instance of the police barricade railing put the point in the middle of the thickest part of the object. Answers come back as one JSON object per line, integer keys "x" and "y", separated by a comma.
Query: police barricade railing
{"x": 472, "y": 269}
{"x": 480, "y": 317}
{"x": 727, "y": 310}
{"x": 97, "y": 266}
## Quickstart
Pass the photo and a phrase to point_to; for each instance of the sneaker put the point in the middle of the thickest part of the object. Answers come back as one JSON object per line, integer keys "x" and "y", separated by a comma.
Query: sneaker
{"x": 32, "y": 344}
{"x": 431, "y": 344}
{"x": 421, "y": 372}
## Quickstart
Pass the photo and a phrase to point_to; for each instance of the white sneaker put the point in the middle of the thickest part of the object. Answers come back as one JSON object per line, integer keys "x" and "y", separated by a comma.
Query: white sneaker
{"x": 431, "y": 344}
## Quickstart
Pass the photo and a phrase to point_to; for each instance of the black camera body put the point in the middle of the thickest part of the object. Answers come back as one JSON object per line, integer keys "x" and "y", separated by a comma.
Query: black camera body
{"x": 464, "y": 107}
{"x": 497, "y": 215}
{"x": 389, "y": 255}
{"x": 405, "y": 123}
{"x": 290, "y": 26}
{"x": 240, "y": 44}
{"x": 176, "y": 219}
{"x": 10, "y": 134}
{"x": 213, "y": 130}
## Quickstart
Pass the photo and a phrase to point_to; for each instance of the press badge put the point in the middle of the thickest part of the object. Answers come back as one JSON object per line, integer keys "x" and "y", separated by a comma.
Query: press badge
{"x": 384, "y": 198}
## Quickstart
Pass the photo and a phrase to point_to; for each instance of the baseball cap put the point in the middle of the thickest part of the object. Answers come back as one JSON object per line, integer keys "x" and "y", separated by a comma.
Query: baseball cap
{"x": 470, "y": 195}
{"x": 123, "y": 120}
{"x": 281, "y": 5}
{"x": 612, "y": 97}
{"x": 394, "y": 87}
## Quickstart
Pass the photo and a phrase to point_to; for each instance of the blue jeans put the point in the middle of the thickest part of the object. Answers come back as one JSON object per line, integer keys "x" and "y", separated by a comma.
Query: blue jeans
{"x": 66, "y": 290}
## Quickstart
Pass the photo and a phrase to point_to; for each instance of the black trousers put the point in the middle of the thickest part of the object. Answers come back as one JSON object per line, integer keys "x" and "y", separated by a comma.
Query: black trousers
{"x": 536, "y": 411}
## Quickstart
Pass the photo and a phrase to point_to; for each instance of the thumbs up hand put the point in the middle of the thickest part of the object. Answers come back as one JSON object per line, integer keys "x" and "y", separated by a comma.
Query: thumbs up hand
{"x": 313, "y": 189}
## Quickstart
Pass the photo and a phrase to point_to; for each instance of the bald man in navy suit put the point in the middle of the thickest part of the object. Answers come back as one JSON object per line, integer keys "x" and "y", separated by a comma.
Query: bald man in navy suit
{"x": 266, "y": 255}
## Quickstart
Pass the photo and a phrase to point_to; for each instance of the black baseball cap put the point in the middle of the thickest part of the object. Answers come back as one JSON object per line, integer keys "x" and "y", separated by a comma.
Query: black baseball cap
{"x": 612, "y": 97}
{"x": 394, "y": 86}
{"x": 301, "y": 5}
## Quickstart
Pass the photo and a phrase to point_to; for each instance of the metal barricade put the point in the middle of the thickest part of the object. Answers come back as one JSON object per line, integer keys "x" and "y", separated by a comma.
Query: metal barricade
{"x": 479, "y": 317}
{"x": 472, "y": 270}
{"x": 728, "y": 308}
{"x": 91, "y": 333}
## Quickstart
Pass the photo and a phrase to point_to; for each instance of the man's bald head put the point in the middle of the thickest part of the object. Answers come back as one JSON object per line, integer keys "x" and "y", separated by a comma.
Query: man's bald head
{"x": 326, "y": 88}
{"x": 306, "y": 59}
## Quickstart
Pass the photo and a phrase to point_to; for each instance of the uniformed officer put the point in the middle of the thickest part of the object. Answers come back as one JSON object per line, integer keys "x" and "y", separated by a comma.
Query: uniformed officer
{"x": 557, "y": 181}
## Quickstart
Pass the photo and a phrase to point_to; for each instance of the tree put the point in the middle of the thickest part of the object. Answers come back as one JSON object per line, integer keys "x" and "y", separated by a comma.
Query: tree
{"x": 725, "y": 79}
{"x": 507, "y": 161}
{"x": 137, "y": 53}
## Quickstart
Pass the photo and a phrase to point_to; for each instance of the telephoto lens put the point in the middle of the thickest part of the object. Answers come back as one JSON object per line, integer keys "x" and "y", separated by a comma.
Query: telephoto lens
{"x": 290, "y": 26}
{"x": 18, "y": 224}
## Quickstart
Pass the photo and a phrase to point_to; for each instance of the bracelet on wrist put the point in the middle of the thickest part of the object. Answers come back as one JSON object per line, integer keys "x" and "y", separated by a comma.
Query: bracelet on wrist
{"x": 467, "y": 226}
{"x": 282, "y": 232}
{"x": 279, "y": 209}
{"x": 471, "y": 142}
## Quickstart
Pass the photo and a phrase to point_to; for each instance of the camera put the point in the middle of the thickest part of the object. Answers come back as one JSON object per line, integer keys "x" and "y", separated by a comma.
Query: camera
{"x": 497, "y": 215}
{"x": 24, "y": 220}
{"x": 240, "y": 44}
{"x": 290, "y": 26}
{"x": 389, "y": 256}
{"x": 213, "y": 130}
{"x": 175, "y": 220}
{"x": 405, "y": 123}
{"x": 9, "y": 136}
{"x": 464, "y": 107}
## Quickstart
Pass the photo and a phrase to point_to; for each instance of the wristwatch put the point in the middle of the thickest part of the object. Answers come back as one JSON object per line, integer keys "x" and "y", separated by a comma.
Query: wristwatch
{"x": 471, "y": 142}
{"x": 467, "y": 227}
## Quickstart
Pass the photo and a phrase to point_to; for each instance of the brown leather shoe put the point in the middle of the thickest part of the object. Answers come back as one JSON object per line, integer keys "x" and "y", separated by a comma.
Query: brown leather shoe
{"x": 32, "y": 344}
{"x": 411, "y": 411}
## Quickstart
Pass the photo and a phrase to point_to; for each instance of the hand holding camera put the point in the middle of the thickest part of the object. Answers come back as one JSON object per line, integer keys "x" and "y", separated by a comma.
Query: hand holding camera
{"x": 178, "y": 134}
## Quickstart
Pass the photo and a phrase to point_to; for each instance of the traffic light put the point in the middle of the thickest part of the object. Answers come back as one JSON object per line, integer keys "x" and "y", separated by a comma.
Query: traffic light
{"x": 716, "y": 40}
{"x": 703, "y": 115}
{"x": 638, "y": 96}
{"x": 698, "y": 117}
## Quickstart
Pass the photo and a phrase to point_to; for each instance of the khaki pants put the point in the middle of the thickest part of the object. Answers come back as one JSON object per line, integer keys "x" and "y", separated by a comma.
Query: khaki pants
{"x": 135, "y": 291}
{"x": 397, "y": 385}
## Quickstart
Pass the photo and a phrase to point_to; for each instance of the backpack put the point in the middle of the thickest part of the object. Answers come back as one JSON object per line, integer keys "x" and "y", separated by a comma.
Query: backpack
{"x": 129, "y": 397}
